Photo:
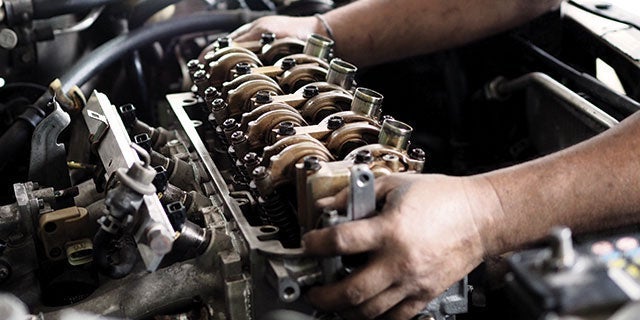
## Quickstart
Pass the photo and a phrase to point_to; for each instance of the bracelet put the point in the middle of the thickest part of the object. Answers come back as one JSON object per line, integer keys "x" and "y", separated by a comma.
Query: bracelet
{"x": 326, "y": 26}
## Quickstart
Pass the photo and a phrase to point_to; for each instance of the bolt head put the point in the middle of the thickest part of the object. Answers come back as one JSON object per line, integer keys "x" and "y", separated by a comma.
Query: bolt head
{"x": 310, "y": 91}
{"x": 335, "y": 122}
{"x": 263, "y": 97}
{"x": 288, "y": 63}
{"x": 364, "y": 156}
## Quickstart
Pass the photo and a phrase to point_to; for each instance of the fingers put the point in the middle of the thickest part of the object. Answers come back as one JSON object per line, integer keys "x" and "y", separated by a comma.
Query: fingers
{"x": 242, "y": 33}
{"x": 345, "y": 239}
{"x": 355, "y": 289}
{"x": 378, "y": 305}
{"x": 407, "y": 309}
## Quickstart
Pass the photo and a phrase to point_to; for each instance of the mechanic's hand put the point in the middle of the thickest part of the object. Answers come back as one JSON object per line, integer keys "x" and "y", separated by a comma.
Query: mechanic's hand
{"x": 426, "y": 238}
{"x": 281, "y": 26}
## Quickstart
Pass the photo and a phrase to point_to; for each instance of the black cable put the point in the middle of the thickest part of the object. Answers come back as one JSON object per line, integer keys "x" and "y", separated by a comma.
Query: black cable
{"x": 113, "y": 50}
{"x": 43, "y": 9}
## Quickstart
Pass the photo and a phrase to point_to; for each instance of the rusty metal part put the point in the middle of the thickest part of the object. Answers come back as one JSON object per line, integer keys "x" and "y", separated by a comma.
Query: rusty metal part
{"x": 351, "y": 136}
{"x": 325, "y": 104}
{"x": 262, "y": 131}
{"x": 223, "y": 69}
{"x": 281, "y": 48}
{"x": 240, "y": 99}
{"x": 282, "y": 165}
{"x": 301, "y": 75}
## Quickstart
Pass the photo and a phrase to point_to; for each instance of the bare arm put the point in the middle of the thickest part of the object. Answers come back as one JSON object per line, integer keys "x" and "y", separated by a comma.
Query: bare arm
{"x": 374, "y": 31}
{"x": 434, "y": 229}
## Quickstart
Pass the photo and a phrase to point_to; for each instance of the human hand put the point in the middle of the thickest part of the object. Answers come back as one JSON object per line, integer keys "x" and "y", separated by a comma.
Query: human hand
{"x": 426, "y": 238}
{"x": 281, "y": 26}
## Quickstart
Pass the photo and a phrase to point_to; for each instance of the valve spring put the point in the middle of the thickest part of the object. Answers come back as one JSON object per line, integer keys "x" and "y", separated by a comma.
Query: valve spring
{"x": 279, "y": 214}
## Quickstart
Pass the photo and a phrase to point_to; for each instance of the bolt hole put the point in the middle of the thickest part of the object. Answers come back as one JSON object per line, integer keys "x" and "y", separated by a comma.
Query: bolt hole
{"x": 189, "y": 102}
{"x": 50, "y": 227}
{"x": 289, "y": 293}
{"x": 268, "y": 229}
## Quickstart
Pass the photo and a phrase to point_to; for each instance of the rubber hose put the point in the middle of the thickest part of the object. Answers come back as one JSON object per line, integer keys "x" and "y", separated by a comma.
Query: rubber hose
{"x": 102, "y": 242}
{"x": 114, "y": 49}
{"x": 43, "y": 9}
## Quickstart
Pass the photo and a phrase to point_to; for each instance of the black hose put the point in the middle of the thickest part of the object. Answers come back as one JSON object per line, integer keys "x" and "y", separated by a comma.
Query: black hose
{"x": 114, "y": 49}
{"x": 105, "y": 246}
{"x": 43, "y": 9}
{"x": 146, "y": 9}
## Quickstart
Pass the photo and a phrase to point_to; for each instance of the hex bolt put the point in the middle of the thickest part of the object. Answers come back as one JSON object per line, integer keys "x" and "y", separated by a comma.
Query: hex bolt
{"x": 251, "y": 161}
{"x": 288, "y": 63}
{"x": 335, "y": 122}
{"x": 223, "y": 42}
{"x": 243, "y": 68}
{"x": 417, "y": 154}
{"x": 286, "y": 128}
{"x": 311, "y": 163}
{"x": 210, "y": 94}
{"x": 267, "y": 37}
{"x": 238, "y": 137}
{"x": 193, "y": 65}
{"x": 259, "y": 173}
{"x": 310, "y": 91}
{"x": 363, "y": 156}
{"x": 229, "y": 124}
{"x": 263, "y": 97}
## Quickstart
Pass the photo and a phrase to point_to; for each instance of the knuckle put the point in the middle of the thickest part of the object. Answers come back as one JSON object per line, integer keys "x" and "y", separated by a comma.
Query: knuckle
{"x": 353, "y": 296}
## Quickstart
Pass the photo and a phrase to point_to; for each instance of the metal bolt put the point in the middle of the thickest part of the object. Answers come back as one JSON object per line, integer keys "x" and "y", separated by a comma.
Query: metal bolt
{"x": 199, "y": 75}
{"x": 335, "y": 122}
{"x": 218, "y": 104}
{"x": 267, "y": 37}
{"x": 159, "y": 242}
{"x": 263, "y": 97}
{"x": 238, "y": 137}
{"x": 259, "y": 173}
{"x": 417, "y": 154}
{"x": 8, "y": 39}
{"x": 229, "y": 123}
{"x": 288, "y": 63}
{"x": 193, "y": 65}
{"x": 286, "y": 128}
{"x": 243, "y": 68}
{"x": 312, "y": 163}
{"x": 310, "y": 92}
{"x": 251, "y": 157}
{"x": 223, "y": 42}
{"x": 210, "y": 93}
{"x": 363, "y": 156}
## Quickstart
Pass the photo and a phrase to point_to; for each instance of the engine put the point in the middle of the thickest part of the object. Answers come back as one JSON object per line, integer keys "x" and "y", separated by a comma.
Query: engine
{"x": 179, "y": 184}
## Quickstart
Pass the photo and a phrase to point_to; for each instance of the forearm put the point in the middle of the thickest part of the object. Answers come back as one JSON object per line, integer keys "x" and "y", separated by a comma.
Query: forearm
{"x": 374, "y": 31}
{"x": 589, "y": 186}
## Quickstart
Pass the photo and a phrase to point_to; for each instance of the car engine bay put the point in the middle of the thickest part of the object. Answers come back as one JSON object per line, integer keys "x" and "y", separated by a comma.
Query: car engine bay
{"x": 153, "y": 168}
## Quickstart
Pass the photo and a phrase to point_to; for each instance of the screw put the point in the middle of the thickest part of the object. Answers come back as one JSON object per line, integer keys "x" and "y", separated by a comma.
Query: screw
{"x": 263, "y": 97}
{"x": 243, "y": 68}
{"x": 286, "y": 128}
{"x": 310, "y": 91}
{"x": 218, "y": 104}
{"x": 267, "y": 37}
{"x": 335, "y": 122}
{"x": 193, "y": 65}
{"x": 363, "y": 156}
{"x": 417, "y": 154}
{"x": 312, "y": 163}
{"x": 288, "y": 63}
{"x": 199, "y": 75}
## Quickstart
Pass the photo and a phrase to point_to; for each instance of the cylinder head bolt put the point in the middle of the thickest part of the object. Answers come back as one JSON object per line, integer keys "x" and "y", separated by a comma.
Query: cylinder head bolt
{"x": 318, "y": 46}
{"x": 267, "y": 38}
{"x": 341, "y": 73}
{"x": 288, "y": 63}
{"x": 367, "y": 102}
{"x": 395, "y": 134}
{"x": 310, "y": 91}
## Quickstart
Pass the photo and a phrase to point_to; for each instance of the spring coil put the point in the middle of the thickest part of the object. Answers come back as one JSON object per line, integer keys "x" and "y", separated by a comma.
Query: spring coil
{"x": 279, "y": 214}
